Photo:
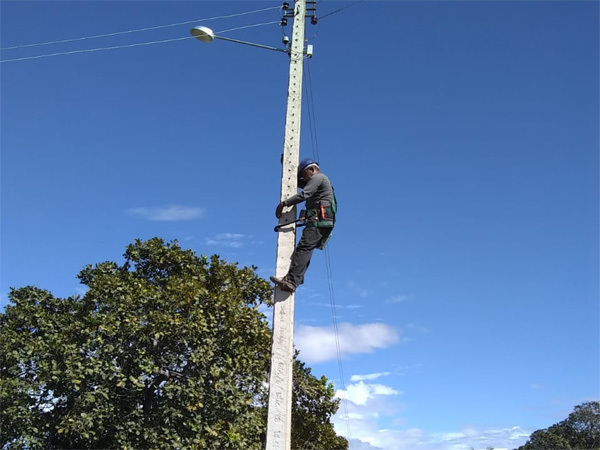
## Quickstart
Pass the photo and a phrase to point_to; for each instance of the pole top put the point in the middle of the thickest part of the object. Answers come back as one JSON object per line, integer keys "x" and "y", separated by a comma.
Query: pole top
{"x": 203, "y": 34}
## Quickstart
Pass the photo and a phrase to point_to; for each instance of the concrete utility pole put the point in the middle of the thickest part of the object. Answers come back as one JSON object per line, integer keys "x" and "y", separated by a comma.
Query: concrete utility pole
{"x": 279, "y": 421}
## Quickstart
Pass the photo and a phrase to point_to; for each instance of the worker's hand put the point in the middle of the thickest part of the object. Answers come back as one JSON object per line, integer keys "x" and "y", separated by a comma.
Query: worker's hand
{"x": 302, "y": 217}
{"x": 279, "y": 210}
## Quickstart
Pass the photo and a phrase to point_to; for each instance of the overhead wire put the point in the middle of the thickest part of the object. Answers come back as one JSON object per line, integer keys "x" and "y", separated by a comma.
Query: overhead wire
{"x": 310, "y": 110}
{"x": 315, "y": 147}
{"x": 248, "y": 26}
{"x": 331, "y": 13}
{"x": 337, "y": 340}
{"x": 62, "y": 41}
{"x": 114, "y": 47}
{"x": 341, "y": 9}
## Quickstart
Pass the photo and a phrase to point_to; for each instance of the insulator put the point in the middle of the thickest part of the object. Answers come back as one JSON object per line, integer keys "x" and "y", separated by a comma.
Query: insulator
{"x": 283, "y": 22}
{"x": 286, "y": 5}
{"x": 313, "y": 20}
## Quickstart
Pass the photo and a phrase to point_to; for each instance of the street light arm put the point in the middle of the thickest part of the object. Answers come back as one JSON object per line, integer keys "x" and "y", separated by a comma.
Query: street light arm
{"x": 205, "y": 34}
{"x": 252, "y": 44}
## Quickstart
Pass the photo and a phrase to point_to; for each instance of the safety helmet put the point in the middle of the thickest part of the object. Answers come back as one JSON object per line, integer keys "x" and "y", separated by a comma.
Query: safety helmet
{"x": 305, "y": 163}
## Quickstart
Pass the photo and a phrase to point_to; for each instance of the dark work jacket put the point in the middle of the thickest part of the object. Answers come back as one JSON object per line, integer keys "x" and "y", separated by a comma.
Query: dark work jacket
{"x": 318, "y": 191}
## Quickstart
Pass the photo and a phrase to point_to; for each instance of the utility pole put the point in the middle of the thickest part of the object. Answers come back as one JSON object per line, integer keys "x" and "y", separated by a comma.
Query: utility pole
{"x": 279, "y": 420}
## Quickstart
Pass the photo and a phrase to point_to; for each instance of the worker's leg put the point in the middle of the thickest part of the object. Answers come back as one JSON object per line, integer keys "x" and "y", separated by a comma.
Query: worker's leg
{"x": 311, "y": 238}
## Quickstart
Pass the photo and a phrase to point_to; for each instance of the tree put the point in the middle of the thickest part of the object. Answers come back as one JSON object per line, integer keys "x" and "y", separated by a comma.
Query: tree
{"x": 548, "y": 439}
{"x": 314, "y": 404}
{"x": 582, "y": 427}
{"x": 168, "y": 350}
{"x": 580, "y": 431}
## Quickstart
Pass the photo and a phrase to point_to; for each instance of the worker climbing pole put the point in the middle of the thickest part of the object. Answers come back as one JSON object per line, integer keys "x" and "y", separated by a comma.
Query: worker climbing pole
{"x": 279, "y": 418}
{"x": 318, "y": 217}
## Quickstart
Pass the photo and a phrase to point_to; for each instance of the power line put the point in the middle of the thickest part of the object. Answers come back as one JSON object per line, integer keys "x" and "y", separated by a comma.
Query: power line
{"x": 114, "y": 47}
{"x": 62, "y": 41}
{"x": 310, "y": 109}
{"x": 248, "y": 26}
{"x": 337, "y": 340}
{"x": 47, "y": 55}
{"x": 341, "y": 9}
{"x": 315, "y": 145}
{"x": 315, "y": 34}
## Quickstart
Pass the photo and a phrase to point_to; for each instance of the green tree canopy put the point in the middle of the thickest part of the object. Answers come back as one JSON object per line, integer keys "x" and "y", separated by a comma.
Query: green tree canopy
{"x": 167, "y": 350}
{"x": 579, "y": 431}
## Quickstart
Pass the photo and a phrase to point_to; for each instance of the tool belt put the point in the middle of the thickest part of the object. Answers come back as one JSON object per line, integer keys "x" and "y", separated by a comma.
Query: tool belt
{"x": 323, "y": 216}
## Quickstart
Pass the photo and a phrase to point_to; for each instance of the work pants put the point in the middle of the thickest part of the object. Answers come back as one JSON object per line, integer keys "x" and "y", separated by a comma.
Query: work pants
{"x": 312, "y": 237}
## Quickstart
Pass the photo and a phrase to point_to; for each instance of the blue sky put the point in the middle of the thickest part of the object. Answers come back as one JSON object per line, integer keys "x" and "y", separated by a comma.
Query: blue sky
{"x": 462, "y": 139}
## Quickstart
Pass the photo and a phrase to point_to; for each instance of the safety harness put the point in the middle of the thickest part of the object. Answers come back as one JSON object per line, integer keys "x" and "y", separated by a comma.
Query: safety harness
{"x": 326, "y": 217}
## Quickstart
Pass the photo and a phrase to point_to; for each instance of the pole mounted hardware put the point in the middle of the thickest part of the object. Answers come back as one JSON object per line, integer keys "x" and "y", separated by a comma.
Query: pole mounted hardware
{"x": 310, "y": 12}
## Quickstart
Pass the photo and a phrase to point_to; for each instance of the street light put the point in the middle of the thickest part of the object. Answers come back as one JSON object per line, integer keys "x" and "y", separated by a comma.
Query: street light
{"x": 205, "y": 34}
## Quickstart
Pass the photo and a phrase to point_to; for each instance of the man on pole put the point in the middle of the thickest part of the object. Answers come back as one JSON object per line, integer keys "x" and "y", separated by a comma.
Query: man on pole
{"x": 321, "y": 208}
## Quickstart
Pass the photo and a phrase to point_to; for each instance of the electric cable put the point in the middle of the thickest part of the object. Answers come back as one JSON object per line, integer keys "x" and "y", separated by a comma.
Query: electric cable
{"x": 315, "y": 146}
{"x": 139, "y": 29}
{"x": 337, "y": 340}
{"x": 47, "y": 55}
{"x": 114, "y": 47}
{"x": 341, "y": 9}
{"x": 310, "y": 110}
{"x": 247, "y": 26}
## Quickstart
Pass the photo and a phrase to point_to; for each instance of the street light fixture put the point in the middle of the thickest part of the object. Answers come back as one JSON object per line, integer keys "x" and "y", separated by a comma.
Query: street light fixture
{"x": 205, "y": 34}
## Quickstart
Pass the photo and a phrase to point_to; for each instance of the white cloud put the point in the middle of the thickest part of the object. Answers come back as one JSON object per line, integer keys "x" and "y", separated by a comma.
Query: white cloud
{"x": 169, "y": 213}
{"x": 371, "y": 416}
{"x": 365, "y": 434}
{"x": 368, "y": 376}
{"x": 318, "y": 344}
{"x": 397, "y": 299}
{"x": 381, "y": 389}
{"x": 233, "y": 240}
{"x": 230, "y": 236}
{"x": 360, "y": 393}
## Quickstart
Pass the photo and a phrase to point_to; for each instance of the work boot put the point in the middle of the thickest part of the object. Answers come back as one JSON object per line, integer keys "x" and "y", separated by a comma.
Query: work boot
{"x": 283, "y": 284}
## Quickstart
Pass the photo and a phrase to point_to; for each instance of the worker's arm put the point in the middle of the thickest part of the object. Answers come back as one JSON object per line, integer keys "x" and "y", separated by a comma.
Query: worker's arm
{"x": 309, "y": 190}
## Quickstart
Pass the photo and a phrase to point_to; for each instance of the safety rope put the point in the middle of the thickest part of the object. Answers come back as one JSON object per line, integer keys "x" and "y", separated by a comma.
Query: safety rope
{"x": 315, "y": 149}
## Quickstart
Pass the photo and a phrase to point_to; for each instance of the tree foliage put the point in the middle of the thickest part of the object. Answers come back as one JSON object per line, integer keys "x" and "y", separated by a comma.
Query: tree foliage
{"x": 312, "y": 398}
{"x": 579, "y": 431}
{"x": 168, "y": 350}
